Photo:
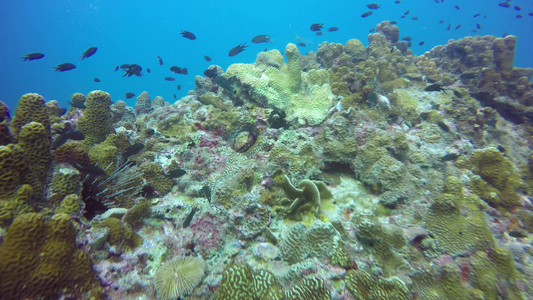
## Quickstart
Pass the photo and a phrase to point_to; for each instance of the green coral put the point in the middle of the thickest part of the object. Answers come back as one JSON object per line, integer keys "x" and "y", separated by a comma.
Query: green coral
{"x": 31, "y": 108}
{"x": 95, "y": 122}
{"x": 5, "y": 134}
{"x": 457, "y": 222}
{"x": 69, "y": 205}
{"x": 366, "y": 287}
{"x": 207, "y": 99}
{"x": 240, "y": 282}
{"x": 105, "y": 153}
{"x": 308, "y": 192}
{"x": 499, "y": 173}
{"x": 300, "y": 242}
{"x": 64, "y": 184}
{"x": 138, "y": 212}
{"x": 153, "y": 173}
{"x": 309, "y": 289}
{"x": 18, "y": 204}
{"x": 119, "y": 235}
{"x": 42, "y": 256}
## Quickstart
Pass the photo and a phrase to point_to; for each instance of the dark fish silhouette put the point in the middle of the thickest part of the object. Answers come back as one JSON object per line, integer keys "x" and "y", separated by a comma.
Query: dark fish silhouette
{"x": 88, "y": 53}
{"x": 477, "y": 15}
{"x": 207, "y": 58}
{"x": 407, "y": 38}
{"x": 449, "y": 26}
{"x": 505, "y": 4}
{"x": 179, "y": 87}
{"x": 530, "y": 14}
{"x": 32, "y": 56}
{"x": 262, "y": 38}
{"x": 224, "y": 83}
{"x": 519, "y": 16}
{"x": 406, "y": 13}
{"x": 457, "y": 27}
{"x": 301, "y": 44}
{"x": 373, "y": 6}
{"x": 160, "y": 61}
{"x": 65, "y": 67}
{"x": 188, "y": 219}
{"x": 397, "y": 1}
{"x": 170, "y": 79}
{"x": 116, "y": 68}
{"x": 179, "y": 70}
{"x": 129, "y": 95}
{"x": 89, "y": 169}
{"x": 147, "y": 70}
{"x": 131, "y": 69}
{"x": 457, "y": 7}
{"x": 96, "y": 80}
{"x": 206, "y": 192}
{"x": 414, "y": 18}
{"x": 237, "y": 49}
{"x": 518, "y": 8}
{"x": 188, "y": 35}
{"x": 478, "y": 26}
{"x": 421, "y": 43}
{"x": 65, "y": 135}
{"x": 435, "y": 88}
{"x": 441, "y": 21}
{"x": 393, "y": 22}
{"x": 316, "y": 26}
{"x": 175, "y": 97}
{"x": 76, "y": 104}
{"x": 331, "y": 29}
{"x": 176, "y": 173}
{"x": 211, "y": 73}
{"x": 318, "y": 33}
{"x": 132, "y": 150}
{"x": 364, "y": 15}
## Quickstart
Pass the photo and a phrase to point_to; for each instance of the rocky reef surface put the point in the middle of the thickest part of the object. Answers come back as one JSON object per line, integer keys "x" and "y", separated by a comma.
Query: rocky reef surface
{"x": 331, "y": 175}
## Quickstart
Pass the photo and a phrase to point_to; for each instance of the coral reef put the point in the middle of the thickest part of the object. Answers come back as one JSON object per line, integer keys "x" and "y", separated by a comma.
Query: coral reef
{"x": 95, "y": 122}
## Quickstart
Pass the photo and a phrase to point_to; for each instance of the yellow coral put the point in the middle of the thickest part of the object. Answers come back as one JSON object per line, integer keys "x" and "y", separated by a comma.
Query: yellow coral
{"x": 95, "y": 122}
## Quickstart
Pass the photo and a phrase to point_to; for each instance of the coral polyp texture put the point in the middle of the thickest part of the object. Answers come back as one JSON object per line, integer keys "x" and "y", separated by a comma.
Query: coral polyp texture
{"x": 347, "y": 172}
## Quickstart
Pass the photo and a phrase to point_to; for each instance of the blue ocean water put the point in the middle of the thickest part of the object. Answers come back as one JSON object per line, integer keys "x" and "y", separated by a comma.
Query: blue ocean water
{"x": 136, "y": 31}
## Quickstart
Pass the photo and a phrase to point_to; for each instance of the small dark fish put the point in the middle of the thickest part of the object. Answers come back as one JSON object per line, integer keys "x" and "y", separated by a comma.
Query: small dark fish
{"x": 262, "y": 38}
{"x": 179, "y": 70}
{"x": 364, "y": 15}
{"x": 147, "y": 70}
{"x": 132, "y": 150}
{"x": 32, "y": 56}
{"x": 175, "y": 97}
{"x": 96, "y": 80}
{"x": 457, "y": 7}
{"x": 65, "y": 67}
{"x": 519, "y": 16}
{"x": 131, "y": 69}
{"x": 505, "y": 4}
{"x": 211, "y": 73}
{"x": 169, "y": 78}
{"x": 116, "y": 68}
{"x": 160, "y": 61}
{"x": 188, "y": 219}
{"x": 373, "y": 6}
{"x": 188, "y": 35}
{"x": 443, "y": 126}
{"x": 437, "y": 1}
{"x": 129, "y": 95}
{"x": 478, "y": 26}
{"x": 76, "y": 104}
{"x": 318, "y": 33}
{"x": 441, "y": 21}
{"x": 435, "y": 88}
{"x": 394, "y": 22}
{"x": 88, "y": 53}
{"x": 457, "y": 27}
{"x": 89, "y": 169}
{"x": 179, "y": 87}
{"x": 237, "y": 49}
{"x": 301, "y": 44}
{"x": 372, "y": 30}
{"x": 224, "y": 83}
{"x": 402, "y": 17}
{"x": 206, "y": 191}
{"x": 409, "y": 44}
{"x": 207, "y": 58}
{"x": 176, "y": 173}
{"x": 66, "y": 135}
{"x": 397, "y": 1}
{"x": 316, "y": 26}
{"x": 530, "y": 14}
{"x": 148, "y": 192}
{"x": 518, "y": 8}
{"x": 449, "y": 26}
{"x": 449, "y": 156}
{"x": 421, "y": 43}
{"x": 407, "y": 38}
{"x": 406, "y": 13}
{"x": 517, "y": 234}
{"x": 331, "y": 29}
{"x": 414, "y": 18}
{"x": 477, "y": 15}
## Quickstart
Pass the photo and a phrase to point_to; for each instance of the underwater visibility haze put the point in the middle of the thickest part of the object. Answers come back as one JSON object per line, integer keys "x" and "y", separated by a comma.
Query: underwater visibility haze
{"x": 266, "y": 150}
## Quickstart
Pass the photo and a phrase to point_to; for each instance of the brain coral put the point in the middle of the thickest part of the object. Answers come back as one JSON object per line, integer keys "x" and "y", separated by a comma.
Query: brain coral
{"x": 39, "y": 259}
{"x": 31, "y": 108}
{"x": 95, "y": 122}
